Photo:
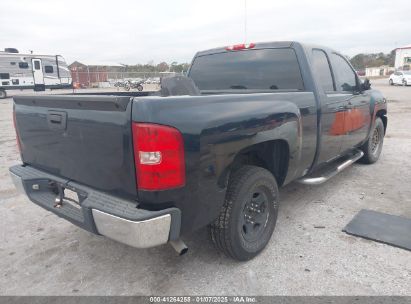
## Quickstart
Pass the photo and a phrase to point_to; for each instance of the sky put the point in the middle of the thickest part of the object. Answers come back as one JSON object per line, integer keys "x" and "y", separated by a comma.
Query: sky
{"x": 131, "y": 32}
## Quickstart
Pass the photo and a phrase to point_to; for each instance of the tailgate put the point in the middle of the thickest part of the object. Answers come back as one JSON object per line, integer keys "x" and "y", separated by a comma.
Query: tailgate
{"x": 86, "y": 139}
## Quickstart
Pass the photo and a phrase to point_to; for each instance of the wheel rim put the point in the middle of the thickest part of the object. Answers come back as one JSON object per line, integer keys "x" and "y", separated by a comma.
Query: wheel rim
{"x": 255, "y": 215}
{"x": 375, "y": 141}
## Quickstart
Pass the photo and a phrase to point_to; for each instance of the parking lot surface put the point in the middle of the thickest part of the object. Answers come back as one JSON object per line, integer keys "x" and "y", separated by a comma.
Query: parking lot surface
{"x": 42, "y": 254}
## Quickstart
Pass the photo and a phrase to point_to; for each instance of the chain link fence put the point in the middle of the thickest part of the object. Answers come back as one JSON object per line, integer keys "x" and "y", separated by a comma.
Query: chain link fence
{"x": 86, "y": 78}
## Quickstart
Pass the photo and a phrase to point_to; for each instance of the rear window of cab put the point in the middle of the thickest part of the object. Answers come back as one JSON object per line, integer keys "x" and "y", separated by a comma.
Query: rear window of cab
{"x": 259, "y": 69}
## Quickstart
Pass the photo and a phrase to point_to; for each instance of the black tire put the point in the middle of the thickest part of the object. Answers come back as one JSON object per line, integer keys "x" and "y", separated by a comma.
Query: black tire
{"x": 373, "y": 146}
{"x": 140, "y": 87}
{"x": 391, "y": 82}
{"x": 3, "y": 94}
{"x": 249, "y": 214}
{"x": 404, "y": 83}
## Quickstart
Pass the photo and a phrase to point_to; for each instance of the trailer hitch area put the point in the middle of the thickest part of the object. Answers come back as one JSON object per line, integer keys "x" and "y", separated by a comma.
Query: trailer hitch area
{"x": 59, "y": 190}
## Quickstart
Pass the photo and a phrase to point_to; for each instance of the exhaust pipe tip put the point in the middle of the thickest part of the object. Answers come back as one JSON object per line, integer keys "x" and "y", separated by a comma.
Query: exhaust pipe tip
{"x": 179, "y": 246}
{"x": 184, "y": 251}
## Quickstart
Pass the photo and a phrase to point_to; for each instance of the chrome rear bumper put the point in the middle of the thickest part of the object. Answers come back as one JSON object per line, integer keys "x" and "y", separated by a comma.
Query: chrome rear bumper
{"x": 141, "y": 234}
{"x": 18, "y": 183}
{"x": 100, "y": 213}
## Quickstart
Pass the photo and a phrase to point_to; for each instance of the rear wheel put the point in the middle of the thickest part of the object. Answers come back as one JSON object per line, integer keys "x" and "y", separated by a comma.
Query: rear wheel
{"x": 140, "y": 87}
{"x": 404, "y": 83}
{"x": 391, "y": 82}
{"x": 249, "y": 214}
{"x": 3, "y": 94}
{"x": 373, "y": 146}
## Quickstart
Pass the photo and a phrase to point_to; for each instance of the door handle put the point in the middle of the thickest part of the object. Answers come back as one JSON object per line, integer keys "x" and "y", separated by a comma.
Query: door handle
{"x": 342, "y": 108}
{"x": 57, "y": 120}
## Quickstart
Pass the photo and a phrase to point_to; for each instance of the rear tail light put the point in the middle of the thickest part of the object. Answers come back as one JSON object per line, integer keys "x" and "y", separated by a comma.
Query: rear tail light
{"x": 158, "y": 156}
{"x": 238, "y": 47}
{"x": 17, "y": 134}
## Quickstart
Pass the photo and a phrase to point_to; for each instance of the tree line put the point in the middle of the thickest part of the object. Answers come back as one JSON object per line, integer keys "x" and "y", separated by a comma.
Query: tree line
{"x": 359, "y": 62}
{"x": 150, "y": 67}
{"x": 362, "y": 61}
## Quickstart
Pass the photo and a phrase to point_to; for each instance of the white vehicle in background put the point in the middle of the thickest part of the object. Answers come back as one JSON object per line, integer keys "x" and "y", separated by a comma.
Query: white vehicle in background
{"x": 31, "y": 71}
{"x": 400, "y": 77}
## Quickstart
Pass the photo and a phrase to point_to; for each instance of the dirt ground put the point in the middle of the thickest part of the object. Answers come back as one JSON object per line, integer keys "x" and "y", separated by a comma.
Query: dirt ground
{"x": 42, "y": 254}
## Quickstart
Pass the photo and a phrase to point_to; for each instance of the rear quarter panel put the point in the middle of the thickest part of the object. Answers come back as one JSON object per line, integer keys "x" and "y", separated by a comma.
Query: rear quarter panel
{"x": 217, "y": 127}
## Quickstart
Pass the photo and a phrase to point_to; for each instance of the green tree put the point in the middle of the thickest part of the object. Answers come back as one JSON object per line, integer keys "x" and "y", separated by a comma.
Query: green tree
{"x": 362, "y": 61}
{"x": 162, "y": 67}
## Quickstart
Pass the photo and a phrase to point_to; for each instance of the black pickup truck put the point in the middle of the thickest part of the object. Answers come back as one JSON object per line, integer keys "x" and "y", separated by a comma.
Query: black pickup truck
{"x": 210, "y": 149}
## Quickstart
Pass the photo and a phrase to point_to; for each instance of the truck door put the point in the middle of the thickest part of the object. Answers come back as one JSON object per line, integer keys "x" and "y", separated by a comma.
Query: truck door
{"x": 333, "y": 107}
{"x": 357, "y": 116}
{"x": 397, "y": 78}
{"x": 37, "y": 72}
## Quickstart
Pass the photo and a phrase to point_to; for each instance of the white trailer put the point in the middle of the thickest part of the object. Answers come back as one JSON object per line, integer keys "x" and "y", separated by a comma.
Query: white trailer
{"x": 30, "y": 71}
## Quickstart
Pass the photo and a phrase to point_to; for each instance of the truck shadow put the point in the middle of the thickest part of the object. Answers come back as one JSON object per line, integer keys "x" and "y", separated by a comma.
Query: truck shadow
{"x": 201, "y": 249}
{"x": 80, "y": 259}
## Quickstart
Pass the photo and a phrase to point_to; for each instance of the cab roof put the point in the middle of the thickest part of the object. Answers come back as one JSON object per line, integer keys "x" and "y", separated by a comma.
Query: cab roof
{"x": 263, "y": 45}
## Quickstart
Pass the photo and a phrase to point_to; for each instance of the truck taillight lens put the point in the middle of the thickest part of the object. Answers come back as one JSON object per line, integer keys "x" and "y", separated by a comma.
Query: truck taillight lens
{"x": 158, "y": 156}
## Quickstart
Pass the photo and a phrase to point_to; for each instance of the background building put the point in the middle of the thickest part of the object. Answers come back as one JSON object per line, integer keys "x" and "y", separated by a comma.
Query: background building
{"x": 384, "y": 70}
{"x": 403, "y": 57}
{"x": 89, "y": 74}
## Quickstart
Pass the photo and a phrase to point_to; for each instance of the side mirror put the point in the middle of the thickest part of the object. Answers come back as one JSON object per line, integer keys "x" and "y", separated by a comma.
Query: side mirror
{"x": 366, "y": 85}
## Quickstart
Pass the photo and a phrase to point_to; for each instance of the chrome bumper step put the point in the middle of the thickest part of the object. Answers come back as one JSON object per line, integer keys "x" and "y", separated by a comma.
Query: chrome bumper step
{"x": 332, "y": 169}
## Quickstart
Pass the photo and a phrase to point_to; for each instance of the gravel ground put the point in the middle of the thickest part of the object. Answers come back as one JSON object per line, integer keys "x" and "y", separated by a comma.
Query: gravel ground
{"x": 44, "y": 255}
